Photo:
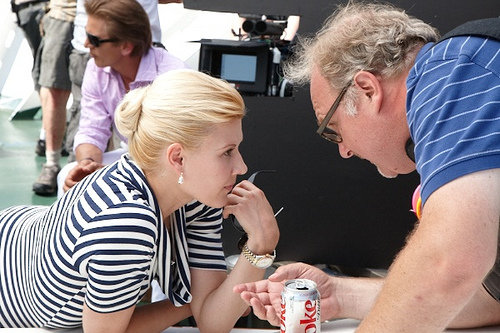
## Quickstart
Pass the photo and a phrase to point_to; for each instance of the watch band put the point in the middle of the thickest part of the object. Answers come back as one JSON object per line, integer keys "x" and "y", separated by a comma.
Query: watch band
{"x": 259, "y": 261}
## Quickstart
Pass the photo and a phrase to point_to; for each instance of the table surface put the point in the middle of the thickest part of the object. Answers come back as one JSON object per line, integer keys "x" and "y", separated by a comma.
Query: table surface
{"x": 336, "y": 326}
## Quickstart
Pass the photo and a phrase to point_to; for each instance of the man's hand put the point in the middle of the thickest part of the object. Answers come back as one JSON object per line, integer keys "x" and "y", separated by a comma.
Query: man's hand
{"x": 265, "y": 296}
{"x": 81, "y": 170}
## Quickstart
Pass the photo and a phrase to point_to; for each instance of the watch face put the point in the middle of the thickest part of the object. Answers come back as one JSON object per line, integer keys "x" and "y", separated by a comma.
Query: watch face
{"x": 264, "y": 262}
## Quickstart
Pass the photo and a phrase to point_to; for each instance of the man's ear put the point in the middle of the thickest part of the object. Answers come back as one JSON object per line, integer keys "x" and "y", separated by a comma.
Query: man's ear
{"x": 175, "y": 156}
{"x": 369, "y": 87}
{"x": 127, "y": 48}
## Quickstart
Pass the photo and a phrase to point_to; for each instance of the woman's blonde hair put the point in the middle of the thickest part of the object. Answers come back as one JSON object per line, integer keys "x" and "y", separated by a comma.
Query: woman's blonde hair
{"x": 378, "y": 38}
{"x": 179, "y": 106}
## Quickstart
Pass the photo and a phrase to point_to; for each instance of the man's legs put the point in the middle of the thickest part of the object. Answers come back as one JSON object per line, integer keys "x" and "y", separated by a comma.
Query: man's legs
{"x": 77, "y": 64}
{"x": 54, "y": 122}
{"x": 29, "y": 21}
{"x": 54, "y": 119}
{"x": 54, "y": 92}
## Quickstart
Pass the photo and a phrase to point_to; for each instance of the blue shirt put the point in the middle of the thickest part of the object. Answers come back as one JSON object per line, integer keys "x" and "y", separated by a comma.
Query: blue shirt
{"x": 453, "y": 109}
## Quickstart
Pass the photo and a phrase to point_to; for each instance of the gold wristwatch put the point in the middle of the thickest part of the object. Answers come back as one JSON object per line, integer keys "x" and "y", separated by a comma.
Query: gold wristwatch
{"x": 259, "y": 261}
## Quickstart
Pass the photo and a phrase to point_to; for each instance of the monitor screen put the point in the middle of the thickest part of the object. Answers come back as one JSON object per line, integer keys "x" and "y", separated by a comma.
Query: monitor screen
{"x": 238, "y": 67}
{"x": 243, "y": 63}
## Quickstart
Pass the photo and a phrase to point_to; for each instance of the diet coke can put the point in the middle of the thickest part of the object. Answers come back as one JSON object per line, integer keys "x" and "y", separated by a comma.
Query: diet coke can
{"x": 300, "y": 307}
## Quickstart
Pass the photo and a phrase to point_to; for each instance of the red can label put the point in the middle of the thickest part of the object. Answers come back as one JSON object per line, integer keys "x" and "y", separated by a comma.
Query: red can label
{"x": 300, "y": 308}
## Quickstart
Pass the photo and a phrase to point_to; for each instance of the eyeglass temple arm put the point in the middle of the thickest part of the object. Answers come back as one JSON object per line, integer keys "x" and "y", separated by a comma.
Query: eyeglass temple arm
{"x": 334, "y": 107}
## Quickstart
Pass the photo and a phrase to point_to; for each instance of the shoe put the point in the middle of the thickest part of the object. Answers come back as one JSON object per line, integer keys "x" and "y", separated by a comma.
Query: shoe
{"x": 40, "y": 148}
{"x": 46, "y": 184}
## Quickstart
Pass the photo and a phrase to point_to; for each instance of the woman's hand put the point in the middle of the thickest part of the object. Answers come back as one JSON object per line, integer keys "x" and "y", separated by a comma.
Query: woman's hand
{"x": 250, "y": 206}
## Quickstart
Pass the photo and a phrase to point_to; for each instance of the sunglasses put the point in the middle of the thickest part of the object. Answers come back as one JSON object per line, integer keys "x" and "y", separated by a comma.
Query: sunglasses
{"x": 323, "y": 130}
{"x": 96, "y": 41}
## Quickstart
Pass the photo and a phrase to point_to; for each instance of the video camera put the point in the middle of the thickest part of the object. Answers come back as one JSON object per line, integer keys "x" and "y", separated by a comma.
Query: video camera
{"x": 253, "y": 63}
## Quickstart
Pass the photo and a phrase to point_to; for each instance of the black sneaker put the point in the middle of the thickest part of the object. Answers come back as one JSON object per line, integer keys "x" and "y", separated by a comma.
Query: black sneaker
{"x": 40, "y": 149}
{"x": 46, "y": 184}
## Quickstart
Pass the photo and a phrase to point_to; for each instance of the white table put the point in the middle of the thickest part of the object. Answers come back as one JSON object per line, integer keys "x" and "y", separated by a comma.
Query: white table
{"x": 336, "y": 326}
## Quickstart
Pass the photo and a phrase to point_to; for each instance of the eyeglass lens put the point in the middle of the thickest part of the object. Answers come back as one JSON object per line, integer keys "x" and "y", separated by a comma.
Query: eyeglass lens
{"x": 323, "y": 130}
{"x": 96, "y": 41}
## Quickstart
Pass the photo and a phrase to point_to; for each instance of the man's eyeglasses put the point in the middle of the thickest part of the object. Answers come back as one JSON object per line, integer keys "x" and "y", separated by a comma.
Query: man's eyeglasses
{"x": 96, "y": 41}
{"x": 323, "y": 130}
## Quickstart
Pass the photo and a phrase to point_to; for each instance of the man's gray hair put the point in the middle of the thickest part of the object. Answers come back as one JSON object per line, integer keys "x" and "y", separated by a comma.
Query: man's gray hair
{"x": 378, "y": 38}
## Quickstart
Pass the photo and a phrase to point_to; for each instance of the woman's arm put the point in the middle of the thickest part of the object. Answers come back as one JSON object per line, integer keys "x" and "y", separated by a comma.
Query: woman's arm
{"x": 215, "y": 307}
{"x": 150, "y": 318}
{"x": 116, "y": 277}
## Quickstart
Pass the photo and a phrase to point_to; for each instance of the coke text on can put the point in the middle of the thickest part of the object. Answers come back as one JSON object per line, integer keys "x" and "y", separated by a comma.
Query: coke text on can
{"x": 300, "y": 308}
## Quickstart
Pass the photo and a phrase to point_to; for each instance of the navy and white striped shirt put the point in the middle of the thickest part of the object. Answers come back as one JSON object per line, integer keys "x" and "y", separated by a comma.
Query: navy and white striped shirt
{"x": 102, "y": 243}
{"x": 453, "y": 109}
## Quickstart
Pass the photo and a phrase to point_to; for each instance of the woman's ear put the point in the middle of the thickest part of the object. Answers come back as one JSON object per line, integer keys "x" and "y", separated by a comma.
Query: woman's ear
{"x": 175, "y": 156}
{"x": 370, "y": 89}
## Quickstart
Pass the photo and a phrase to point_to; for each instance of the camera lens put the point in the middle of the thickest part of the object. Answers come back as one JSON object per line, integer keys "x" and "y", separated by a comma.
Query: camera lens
{"x": 248, "y": 26}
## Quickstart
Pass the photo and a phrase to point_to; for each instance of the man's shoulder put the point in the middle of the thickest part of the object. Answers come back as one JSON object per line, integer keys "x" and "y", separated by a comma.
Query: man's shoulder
{"x": 472, "y": 47}
{"x": 436, "y": 59}
{"x": 167, "y": 61}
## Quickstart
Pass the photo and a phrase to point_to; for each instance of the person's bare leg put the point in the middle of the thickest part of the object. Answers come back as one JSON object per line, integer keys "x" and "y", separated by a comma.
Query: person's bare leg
{"x": 54, "y": 122}
{"x": 54, "y": 116}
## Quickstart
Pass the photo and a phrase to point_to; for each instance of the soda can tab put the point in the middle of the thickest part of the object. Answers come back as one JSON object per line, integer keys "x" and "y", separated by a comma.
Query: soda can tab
{"x": 300, "y": 309}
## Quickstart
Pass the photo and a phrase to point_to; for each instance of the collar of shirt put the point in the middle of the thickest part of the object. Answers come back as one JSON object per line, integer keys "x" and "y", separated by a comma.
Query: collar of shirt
{"x": 146, "y": 73}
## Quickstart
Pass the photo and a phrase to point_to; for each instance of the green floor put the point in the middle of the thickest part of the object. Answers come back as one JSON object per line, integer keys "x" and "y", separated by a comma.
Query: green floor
{"x": 19, "y": 165}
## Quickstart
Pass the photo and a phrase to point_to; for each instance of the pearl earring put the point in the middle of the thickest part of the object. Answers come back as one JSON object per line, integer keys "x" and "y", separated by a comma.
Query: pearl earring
{"x": 181, "y": 179}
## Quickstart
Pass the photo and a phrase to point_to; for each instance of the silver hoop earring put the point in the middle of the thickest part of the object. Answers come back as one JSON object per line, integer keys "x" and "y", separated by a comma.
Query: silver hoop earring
{"x": 181, "y": 179}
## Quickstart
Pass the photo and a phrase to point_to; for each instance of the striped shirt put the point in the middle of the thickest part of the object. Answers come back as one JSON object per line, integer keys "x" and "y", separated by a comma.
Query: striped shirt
{"x": 453, "y": 105}
{"x": 102, "y": 243}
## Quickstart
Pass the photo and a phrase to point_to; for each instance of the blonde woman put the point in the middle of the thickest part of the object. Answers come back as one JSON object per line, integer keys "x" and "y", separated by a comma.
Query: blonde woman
{"x": 155, "y": 214}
